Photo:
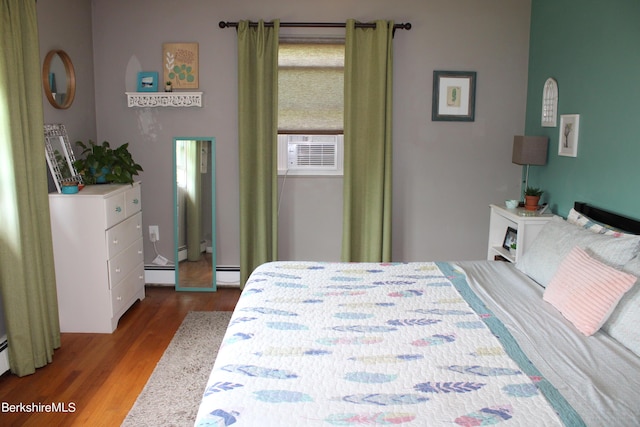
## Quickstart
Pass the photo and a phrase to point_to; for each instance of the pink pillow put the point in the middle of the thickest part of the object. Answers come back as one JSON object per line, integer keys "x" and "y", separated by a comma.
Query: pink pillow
{"x": 586, "y": 291}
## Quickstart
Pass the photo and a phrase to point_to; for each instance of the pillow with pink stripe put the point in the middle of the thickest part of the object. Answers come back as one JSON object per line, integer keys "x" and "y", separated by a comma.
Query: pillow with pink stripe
{"x": 586, "y": 291}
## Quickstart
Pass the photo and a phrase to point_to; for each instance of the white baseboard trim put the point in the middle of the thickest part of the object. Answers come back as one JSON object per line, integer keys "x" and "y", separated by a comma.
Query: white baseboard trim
{"x": 4, "y": 355}
{"x": 161, "y": 277}
{"x": 166, "y": 276}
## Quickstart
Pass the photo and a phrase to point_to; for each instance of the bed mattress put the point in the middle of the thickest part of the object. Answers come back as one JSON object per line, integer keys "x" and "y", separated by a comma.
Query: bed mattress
{"x": 358, "y": 344}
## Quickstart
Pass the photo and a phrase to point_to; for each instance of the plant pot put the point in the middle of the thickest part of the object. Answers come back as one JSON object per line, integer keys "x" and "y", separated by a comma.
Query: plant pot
{"x": 531, "y": 202}
{"x": 102, "y": 178}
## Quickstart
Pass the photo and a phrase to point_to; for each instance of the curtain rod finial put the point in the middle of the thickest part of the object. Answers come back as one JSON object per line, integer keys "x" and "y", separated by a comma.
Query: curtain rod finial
{"x": 222, "y": 24}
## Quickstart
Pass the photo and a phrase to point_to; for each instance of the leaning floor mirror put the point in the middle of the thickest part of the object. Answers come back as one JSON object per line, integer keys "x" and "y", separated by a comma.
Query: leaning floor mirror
{"x": 194, "y": 213}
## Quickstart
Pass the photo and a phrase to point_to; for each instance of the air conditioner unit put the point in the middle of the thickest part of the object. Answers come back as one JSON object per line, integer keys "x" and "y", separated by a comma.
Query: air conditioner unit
{"x": 310, "y": 154}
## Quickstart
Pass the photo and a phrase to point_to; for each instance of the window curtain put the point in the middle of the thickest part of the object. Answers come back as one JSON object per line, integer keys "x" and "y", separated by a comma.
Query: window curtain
{"x": 27, "y": 275}
{"x": 368, "y": 79}
{"x": 193, "y": 200}
{"x": 258, "y": 132}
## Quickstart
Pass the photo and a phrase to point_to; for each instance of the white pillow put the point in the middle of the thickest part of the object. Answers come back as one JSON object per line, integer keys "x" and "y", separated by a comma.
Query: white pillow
{"x": 556, "y": 239}
{"x": 624, "y": 323}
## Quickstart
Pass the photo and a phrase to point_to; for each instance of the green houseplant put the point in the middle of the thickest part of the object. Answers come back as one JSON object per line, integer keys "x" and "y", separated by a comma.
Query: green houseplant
{"x": 532, "y": 198}
{"x": 101, "y": 164}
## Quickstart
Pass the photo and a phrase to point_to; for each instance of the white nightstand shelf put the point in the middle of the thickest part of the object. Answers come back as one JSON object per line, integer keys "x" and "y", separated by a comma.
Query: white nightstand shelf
{"x": 526, "y": 223}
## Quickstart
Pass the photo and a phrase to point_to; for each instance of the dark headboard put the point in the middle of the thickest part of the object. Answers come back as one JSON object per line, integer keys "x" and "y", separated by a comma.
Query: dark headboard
{"x": 618, "y": 221}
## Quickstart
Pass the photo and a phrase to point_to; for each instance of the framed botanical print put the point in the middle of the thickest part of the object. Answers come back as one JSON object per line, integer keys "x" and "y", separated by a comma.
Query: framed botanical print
{"x": 180, "y": 65}
{"x": 454, "y": 96}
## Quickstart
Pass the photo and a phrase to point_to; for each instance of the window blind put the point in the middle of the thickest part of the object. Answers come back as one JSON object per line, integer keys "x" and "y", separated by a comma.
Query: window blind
{"x": 310, "y": 86}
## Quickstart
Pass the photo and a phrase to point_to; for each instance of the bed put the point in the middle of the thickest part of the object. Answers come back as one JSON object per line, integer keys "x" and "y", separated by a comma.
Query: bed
{"x": 441, "y": 343}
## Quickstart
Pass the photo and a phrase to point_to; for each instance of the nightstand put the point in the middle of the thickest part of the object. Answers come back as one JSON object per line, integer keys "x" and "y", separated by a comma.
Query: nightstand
{"x": 526, "y": 224}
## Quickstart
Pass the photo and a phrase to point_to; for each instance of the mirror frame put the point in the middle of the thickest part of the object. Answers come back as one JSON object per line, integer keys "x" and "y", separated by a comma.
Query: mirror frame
{"x": 212, "y": 160}
{"x": 58, "y": 133}
{"x": 71, "y": 79}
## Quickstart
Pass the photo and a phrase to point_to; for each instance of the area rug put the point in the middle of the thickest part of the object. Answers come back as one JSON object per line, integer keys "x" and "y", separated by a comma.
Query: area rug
{"x": 173, "y": 392}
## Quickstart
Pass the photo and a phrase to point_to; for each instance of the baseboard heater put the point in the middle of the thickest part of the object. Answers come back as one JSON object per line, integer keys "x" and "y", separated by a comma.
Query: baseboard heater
{"x": 4, "y": 355}
{"x": 164, "y": 275}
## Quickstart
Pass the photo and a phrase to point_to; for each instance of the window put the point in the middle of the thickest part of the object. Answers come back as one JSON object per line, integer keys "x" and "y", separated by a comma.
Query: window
{"x": 310, "y": 106}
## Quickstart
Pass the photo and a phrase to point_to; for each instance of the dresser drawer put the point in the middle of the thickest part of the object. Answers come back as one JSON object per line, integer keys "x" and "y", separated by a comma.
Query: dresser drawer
{"x": 114, "y": 208}
{"x": 121, "y": 236}
{"x": 132, "y": 200}
{"x": 124, "y": 291}
{"x": 124, "y": 262}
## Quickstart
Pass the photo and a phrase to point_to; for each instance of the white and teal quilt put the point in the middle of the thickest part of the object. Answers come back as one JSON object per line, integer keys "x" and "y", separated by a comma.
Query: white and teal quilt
{"x": 352, "y": 344}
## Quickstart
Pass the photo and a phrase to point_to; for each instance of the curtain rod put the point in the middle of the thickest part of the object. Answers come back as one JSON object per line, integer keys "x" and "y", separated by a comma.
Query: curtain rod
{"x": 404, "y": 26}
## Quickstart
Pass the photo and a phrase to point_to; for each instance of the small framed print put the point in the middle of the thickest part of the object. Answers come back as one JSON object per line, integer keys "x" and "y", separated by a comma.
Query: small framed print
{"x": 454, "y": 96}
{"x": 510, "y": 238}
{"x": 147, "y": 81}
{"x": 568, "y": 138}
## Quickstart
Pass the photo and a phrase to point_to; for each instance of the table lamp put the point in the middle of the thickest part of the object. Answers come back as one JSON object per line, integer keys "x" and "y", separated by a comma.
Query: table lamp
{"x": 529, "y": 150}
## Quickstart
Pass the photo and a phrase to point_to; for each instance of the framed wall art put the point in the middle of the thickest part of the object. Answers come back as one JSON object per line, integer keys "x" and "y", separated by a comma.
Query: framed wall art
{"x": 550, "y": 103}
{"x": 180, "y": 65}
{"x": 568, "y": 138}
{"x": 147, "y": 81}
{"x": 454, "y": 96}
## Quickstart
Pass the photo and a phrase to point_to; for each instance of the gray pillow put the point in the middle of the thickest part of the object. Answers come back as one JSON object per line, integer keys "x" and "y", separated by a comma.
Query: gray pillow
{"x": 558, "y": 237}
{"x": 624, "y": 321}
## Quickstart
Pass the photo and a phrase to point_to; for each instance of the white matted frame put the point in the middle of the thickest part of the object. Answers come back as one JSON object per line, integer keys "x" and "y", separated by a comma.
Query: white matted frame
{"x": 454, "y": 96}
{"x": 568, "y": 137}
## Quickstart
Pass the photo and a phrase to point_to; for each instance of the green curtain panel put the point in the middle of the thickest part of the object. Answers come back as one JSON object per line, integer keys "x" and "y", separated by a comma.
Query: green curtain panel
{"x": 368, "y": 80}
{"x": 258, "y": 133}
{"x": 193, "y": 200}
{"x": 27, "y": 275}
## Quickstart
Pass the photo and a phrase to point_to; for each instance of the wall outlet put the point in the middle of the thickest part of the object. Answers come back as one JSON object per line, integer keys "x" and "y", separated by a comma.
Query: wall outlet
{"x": 154, "y": 233}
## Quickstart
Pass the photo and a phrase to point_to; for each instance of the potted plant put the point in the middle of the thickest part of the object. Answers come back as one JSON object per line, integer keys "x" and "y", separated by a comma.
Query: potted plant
{"x": 102, "y": 164}
{"x": 532, "y": 198}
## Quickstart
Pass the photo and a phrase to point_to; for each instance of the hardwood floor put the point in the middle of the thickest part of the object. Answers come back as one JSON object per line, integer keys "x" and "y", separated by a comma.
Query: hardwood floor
{"x": 101, "y": 375}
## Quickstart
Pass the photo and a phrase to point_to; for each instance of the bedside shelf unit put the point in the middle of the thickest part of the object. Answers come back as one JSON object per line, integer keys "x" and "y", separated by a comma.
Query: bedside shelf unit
{"x": 526, "y": 224}
{"x": 164, "y": 99}
{"x": 98, "y": 255}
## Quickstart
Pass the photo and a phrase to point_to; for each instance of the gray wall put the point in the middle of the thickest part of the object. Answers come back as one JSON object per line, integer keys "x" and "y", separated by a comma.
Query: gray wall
{"x": 445, "y": 174}
{"x": 66, "y": 25}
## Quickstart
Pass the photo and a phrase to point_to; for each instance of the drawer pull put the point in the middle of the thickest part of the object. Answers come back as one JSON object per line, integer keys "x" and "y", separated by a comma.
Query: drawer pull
{"x": 118, "y": 209}
{"x": 118, "y": 270}
{"x": 115, "y": 241}
{"x": 140, "y": 252}
{"x": 135, "y": 201}
{"x": 119, "y": 298}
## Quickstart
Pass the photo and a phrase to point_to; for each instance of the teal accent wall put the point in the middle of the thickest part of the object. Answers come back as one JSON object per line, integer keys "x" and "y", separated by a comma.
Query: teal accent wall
{"x": 592, "y": 49}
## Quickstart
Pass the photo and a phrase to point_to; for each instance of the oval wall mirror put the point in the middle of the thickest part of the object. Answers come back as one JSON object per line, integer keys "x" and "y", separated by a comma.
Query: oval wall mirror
{"x": 59, "y": 79}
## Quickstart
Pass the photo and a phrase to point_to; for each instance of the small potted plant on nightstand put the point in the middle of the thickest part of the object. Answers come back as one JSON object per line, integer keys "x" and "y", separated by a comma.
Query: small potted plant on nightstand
{"x": 532, "y": 198}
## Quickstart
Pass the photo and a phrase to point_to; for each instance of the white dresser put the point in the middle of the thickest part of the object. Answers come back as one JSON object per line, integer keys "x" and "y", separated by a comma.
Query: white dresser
{"x": 97, "y": 243}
